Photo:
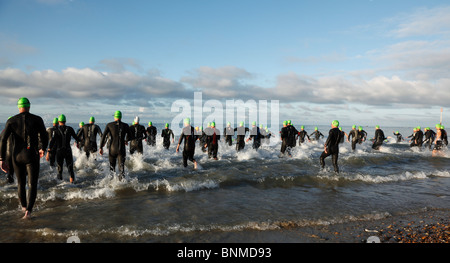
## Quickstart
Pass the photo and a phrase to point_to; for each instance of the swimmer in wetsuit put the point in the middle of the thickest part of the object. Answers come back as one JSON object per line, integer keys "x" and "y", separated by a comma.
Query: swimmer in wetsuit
{"x": 139, "y": 134}
{"x": 429, "y": 137}
{"x": 62, "y": 139}
{"x": 30, "y": 142}
{"x": 316, "y": 134}
{"x": 439, "y": 141}
{"x": 331, "y": 146}
{"x": 166, "y": 134}
{"x": 284, "y": 138}
{"x": 212, "y": 141}
{"x": 362, "y": 135}
{"x": 89, "y": 134}
{"x": 301, "y": 135}
{"x": 8, "y": 157}
{"x": 255, "y": 135}
{"x": 119, "y": 135}
{"x": 240, "y": 137}
{"x": 228, "y": 132}
{"x": 354, "y": 133}
{"x": 417, "y": 141}
{"x": 189, "y": 137}
{"x": 151, "y": 134}
{"x": 51, "y": 133}
{"x": 378, "y": 139}
{"x": 398, "y": 136}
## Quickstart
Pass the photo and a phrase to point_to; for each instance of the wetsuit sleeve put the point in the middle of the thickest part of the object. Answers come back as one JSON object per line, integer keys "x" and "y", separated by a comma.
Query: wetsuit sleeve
{"x": 4, "y": 139}
{"x": 74, "y": 135}
{"x": 43, "y": 135}
{"x": 181, "y": 137}
{"x": 99, "y": 130}
{"x": 327, "y": 142}
{"x": 104, "y": 136}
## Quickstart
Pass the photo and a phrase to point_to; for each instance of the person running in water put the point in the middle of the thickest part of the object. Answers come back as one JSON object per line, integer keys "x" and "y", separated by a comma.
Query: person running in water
{"x": 228, "y": 132}
{"x": 119, "y": 135}
{"x": 212, "y": 141}
{"x": 62, "y": 139}
{"x": 439, "y": 141}
{"x": 354, "y": 134}
{"x": 51, "y": 133}
{"x": 30, "y": 142}
{"x": 240, "y": 137}
{"x": 189, "y": 137}
{"x": 398, "y": 136}
{"x": 331, "y": 146}
{"x": 292, "y": 134}
{"x": 418, "y": 138}
{"x": 89, "y": 134}
{"x": 80, "y": 135}
{"x": 139, "y": 134}
{"x": 255, "y": 135}
{"x": 316, "y": 134}
{"x": 151, "y": 134}
{"x": 444, "y": 135}
{"x": 284, "y": 139}
{"x": 301, "y": 135}
{"x": 362, "y": 135}
{"x": 166, "y": 134}
{"x": 412, "y": 135}
{"x": 378, "y": 139}
{"x": 429, "y": 137}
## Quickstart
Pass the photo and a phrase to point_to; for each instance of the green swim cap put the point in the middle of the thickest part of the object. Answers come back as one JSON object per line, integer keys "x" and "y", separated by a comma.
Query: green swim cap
{"x": 118, "y": 114}
{"x": 261, "y": 126}
{"x": 92, "y": 119}
{"x": 360, "y": 128}
{"x": 187, "y": 121}
{"x": 55, "y": 120}
{"x": 302, "y": 127}
{"x": 81, "y": 124}
{"x": 62, "y": 118}
{"x": 253, "y": 122}
{"x": 213, "y": 124}
{"x": 340, "y": 128}
{"x": 315, "y": 128}
{"x": 241, "y": 123}
{"x": 209, "y": 124}
{"x": 284, "y": 122}
{"x": 335, "y": 123}
{"x": 377, "y": 127}
{"x": 396, "y": 132}
{"x": 438, "y": 126}
{"x": 418, "y": 127}
{"x": 354, "y": 127}
{"x": 167, "y": 125}
{"x": 23, "y": 103}
{"x": 150, "y": 123}
{"x": 442, "y": 127}
{"x": 289, "y": 121}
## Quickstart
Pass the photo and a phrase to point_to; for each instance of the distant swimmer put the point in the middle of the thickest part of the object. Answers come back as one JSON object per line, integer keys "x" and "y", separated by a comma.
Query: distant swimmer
{"x": 89, "y": 133}
{"x": 267, "y": 135}
{"x": 284, "y": 139}
{"x": 301, "y": 135}
{"x": 354, "y": 134}
{"x": 62, "y": 140}
{"x": 439, "y": 143}
{"x": 398, "y": 136}
{"x": 119, "y": 135}
{"x": 444, "y": 135}
{"x": 80, "y": 136}
{"x": 343, "y": 135}
{"x": 30, "y": 142}
{"x": 228, "y": 132}
{"x": 255, "y": 136}
{"x": 331, "y": 146}
{"x": 240, "y": 137}
{"x": 51, "y": 133}
{"x": 292, "y": 134}
{"x": 417, "y": 140}
{"x": 139, "y": 134}
{"x": 378, "y": 139}
{"x": 166, "y": 134}
{"x": 151, "y": 134}
{"x": 212, "y": 141}
{"x": 362, "y": 135}
{"x": 189, "y": 137}
{"x": 202, "y": 137}
{"x": 412, "y": 135}
{"x": 316, "y": 134}
{"x": 429, "y": 137}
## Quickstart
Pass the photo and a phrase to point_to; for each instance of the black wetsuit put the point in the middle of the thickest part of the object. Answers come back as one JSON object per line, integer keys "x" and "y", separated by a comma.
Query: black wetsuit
{"x": 166, "y": 133}
{"x": 332, "y": 145}
{"x": 316, "y": 135}
{"x": 444, "y": 136}
{"x": 228, "y": 132}
{"x": 139, "y": 134}
{"x": 202, "y": 138}
{"x": 189, "y": 137}
{"x": 255, "y": 135}
{"x": 301, "y": 137}
{"x": 8, "y": 157}
{"x": 30, "y": 136}
{"x": 284, "y": 138}
{"x": 240, "y": 137}
{"x": 62, "y": 139}
{"x": 362, "y": 136}
{"x": 354, "y": 133}
{"x": 292, "y": 134}
{"x": 89, "y": 134}
{"x": 418, "y": 139}
{"x": 399, "y": 137}
{"x": 429, "y": 138}
{"x": 213, "y": 143}
{"x": 151, "y": 135}
{"x": 118, "y": 133}
{"x": 378, "y": 140}
{"x": 52, "y": 153}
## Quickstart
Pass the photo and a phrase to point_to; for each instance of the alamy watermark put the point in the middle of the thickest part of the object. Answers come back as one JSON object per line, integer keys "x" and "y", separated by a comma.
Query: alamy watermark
{"x": 262, "y": 112}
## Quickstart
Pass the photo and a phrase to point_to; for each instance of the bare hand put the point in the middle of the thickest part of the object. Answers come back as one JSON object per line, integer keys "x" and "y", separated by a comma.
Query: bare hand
{"x": 41, "y": 153}
{"x": 101, "y": 151}
{"x": 4, "y": 166}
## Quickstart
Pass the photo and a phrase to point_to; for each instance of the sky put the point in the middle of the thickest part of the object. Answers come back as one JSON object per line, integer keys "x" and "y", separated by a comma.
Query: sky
{"x": 364, "y": 62}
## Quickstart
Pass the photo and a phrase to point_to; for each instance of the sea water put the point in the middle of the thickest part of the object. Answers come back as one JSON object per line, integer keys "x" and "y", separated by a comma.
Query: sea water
{"x": 247, "y": 192}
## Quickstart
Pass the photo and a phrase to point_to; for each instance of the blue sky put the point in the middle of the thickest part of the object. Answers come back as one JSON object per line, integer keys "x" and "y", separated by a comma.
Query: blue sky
{"x": 365, "y": 62}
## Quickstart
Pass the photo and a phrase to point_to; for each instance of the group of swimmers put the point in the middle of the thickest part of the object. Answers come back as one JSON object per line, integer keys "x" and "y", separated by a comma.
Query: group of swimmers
{"x": 25, "y": 140}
